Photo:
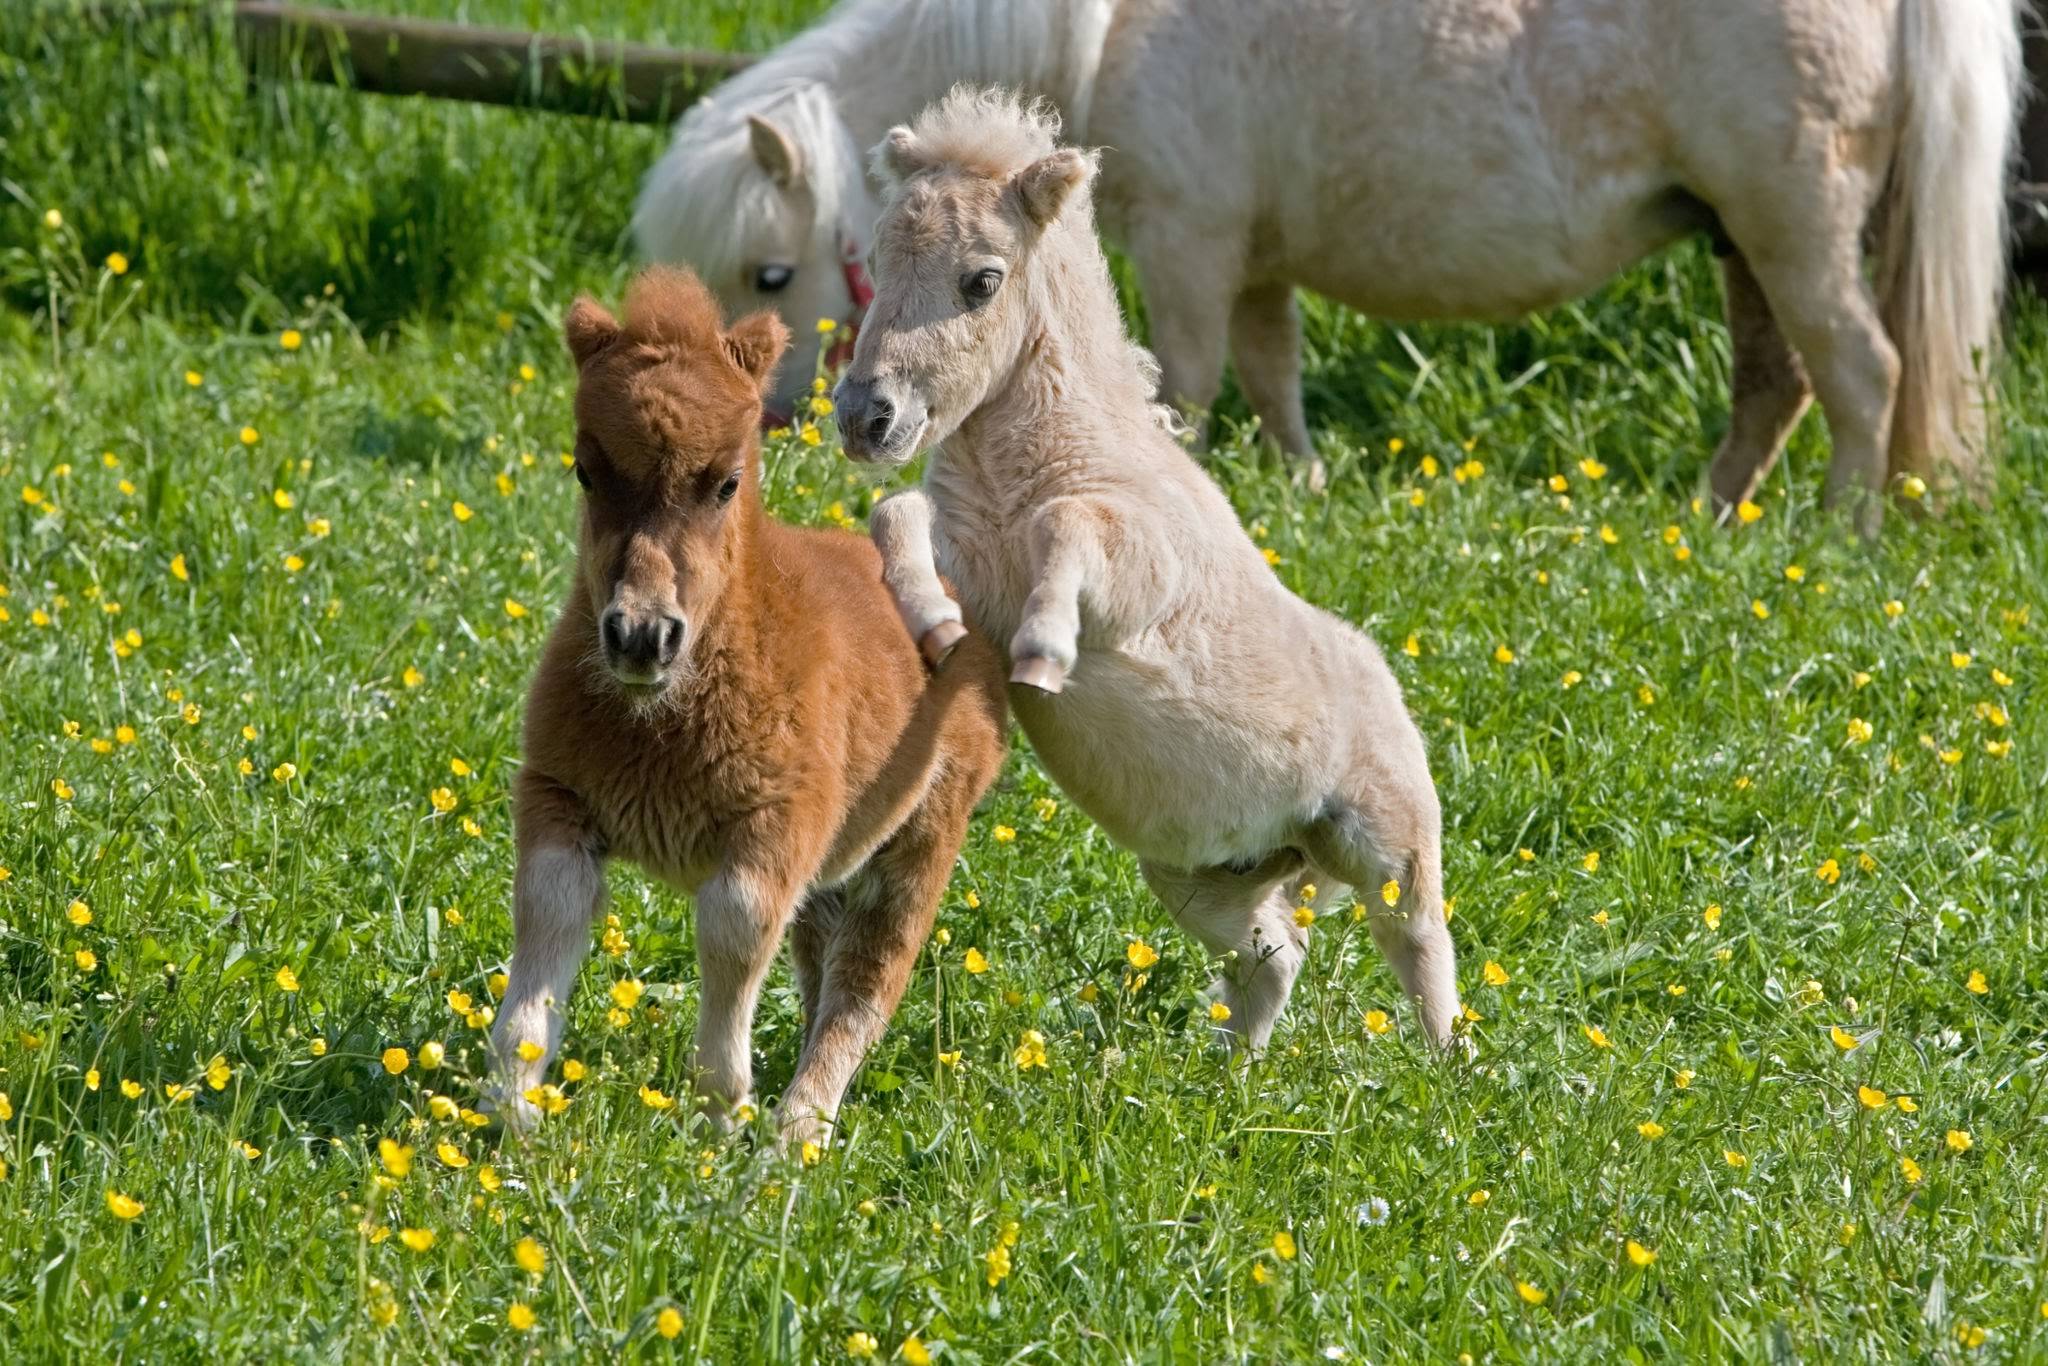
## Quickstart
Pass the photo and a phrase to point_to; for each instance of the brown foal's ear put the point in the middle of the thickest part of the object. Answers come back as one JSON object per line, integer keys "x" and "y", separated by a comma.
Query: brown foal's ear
{"x": 756, "y": 342}
{"x": 774, "y": 150}
{"x": 588, "y": 328}
{"x": 1043, "y": 186}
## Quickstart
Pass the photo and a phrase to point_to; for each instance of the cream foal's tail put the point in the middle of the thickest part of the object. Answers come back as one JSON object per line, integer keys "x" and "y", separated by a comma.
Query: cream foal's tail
{"x": 1942, "y": 230}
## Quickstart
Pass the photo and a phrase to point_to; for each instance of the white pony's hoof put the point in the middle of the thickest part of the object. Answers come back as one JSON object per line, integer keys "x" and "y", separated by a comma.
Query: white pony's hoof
{"x": 938, "y": 642}
{"x": 1038, "y": 672}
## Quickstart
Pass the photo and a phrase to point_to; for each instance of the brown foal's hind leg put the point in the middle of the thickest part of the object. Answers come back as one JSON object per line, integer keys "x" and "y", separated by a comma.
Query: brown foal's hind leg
{"x": 889, "y": 906}
{"x": 817, "y": 919}
{"x": 1768, "y": 390}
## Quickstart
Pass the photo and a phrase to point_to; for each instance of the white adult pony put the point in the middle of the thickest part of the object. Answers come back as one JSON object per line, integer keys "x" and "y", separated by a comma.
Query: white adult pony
{"x": 1441, "y": 159}
{"x": 1238, "y": 740}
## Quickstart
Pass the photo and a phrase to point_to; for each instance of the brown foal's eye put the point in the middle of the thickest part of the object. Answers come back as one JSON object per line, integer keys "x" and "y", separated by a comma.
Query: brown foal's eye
{"x": 730, "y": 487}
{"x": 582, "y": 475}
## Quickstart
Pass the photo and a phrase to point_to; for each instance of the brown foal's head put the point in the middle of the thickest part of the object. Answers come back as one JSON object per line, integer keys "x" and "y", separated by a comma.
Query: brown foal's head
{"x": 668, "y": 406}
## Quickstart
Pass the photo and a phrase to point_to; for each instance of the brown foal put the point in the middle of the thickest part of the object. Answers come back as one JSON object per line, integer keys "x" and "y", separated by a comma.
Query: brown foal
{"x": 735, "y": 706}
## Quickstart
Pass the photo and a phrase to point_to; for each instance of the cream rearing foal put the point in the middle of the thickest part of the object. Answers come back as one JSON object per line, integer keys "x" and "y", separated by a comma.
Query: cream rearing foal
{"x": 1235, "y": 738}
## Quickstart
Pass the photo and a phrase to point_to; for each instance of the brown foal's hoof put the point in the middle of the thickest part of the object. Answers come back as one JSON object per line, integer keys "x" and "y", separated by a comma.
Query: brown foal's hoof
{"x": 939, "y": 642}
{"x": 1040, "y": 673}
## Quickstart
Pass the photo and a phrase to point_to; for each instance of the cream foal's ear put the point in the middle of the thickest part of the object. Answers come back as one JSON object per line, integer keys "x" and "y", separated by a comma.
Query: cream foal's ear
{"x": 897, "y": 156}
{"x": 588, "y": 328}
{"x": 1043, "y": 186}
{"x": 756, "y": 342}
{"x": 775, "y": 151}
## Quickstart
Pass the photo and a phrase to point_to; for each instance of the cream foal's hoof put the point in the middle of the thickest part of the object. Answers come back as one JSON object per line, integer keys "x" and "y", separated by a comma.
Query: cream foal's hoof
{"x": 1036, "y": 671}
{"x": 938, "y": 642}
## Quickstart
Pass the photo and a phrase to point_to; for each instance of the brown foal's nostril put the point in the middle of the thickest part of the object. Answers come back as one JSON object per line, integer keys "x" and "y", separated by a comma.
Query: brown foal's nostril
{"x": 671, "y": 630}
{"x": 653, "y": 643}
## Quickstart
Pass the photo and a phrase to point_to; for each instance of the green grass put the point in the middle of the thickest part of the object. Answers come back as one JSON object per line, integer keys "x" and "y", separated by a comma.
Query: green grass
{"x": 1146, "y": 1177}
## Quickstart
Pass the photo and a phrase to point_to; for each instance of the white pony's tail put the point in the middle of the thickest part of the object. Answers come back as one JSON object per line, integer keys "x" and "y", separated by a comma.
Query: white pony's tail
{"x": 1942, "y": 230}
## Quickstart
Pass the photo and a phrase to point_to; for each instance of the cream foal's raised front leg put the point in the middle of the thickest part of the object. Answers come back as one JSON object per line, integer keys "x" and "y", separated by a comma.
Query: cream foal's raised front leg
{"x": 902, "y": 531}
{"x": 1092, "y": 570}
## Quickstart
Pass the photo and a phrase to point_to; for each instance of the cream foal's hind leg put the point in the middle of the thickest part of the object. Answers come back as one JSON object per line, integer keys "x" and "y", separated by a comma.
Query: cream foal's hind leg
{"x": 1245, "y": 915}
{"x": 1382, "y": 835}
{"x": 902, "y": 530}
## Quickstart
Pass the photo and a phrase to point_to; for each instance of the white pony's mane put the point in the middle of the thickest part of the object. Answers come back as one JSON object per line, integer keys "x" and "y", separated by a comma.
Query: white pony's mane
{"x": 881, "y": 58}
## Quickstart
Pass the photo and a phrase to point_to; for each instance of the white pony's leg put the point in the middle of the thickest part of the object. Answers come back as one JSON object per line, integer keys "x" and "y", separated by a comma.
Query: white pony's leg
{"x": 902, "y": 530}
{"x": 1245, "y": 915}
{"x": 1189, "y": 282}
{"x": 1824, "y": 305}
{"x": 556, "y": 894}
{"x": 1768, "y": 391}
{"x": 1265, "y": 346}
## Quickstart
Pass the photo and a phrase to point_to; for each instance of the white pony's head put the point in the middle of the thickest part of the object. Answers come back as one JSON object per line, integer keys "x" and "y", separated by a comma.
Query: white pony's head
{"x": 761, "y": 193}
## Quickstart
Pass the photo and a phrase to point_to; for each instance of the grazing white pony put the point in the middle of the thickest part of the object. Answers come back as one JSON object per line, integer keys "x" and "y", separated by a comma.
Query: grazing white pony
{"x": 1235, "y": 738}
{"x": 1443, "y": 159}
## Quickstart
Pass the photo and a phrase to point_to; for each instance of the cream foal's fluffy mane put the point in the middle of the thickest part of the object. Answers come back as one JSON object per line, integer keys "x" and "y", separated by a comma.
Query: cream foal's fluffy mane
{"x": 983, "y": 130}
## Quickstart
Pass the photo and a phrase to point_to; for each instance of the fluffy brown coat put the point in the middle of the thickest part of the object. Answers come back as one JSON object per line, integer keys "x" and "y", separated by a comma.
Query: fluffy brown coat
{"x": 734, "y": 705}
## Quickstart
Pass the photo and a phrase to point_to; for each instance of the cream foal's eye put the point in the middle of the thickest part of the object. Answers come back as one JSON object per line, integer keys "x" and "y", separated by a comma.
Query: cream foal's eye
{"x": 981, "y": 286}
{"x": 773, "y": 279}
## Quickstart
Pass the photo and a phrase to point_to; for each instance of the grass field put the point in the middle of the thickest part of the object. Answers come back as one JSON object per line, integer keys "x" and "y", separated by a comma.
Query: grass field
{"x": 1743, "y": 828}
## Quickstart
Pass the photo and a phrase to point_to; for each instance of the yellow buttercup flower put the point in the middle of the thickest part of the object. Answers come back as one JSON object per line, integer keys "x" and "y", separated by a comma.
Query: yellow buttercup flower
{"x": 531, "y": 1256}
{"x": 396, "y": 1060}
{"x": 974, "y": 962}
{"x": 1871, "y": 1098}
{"x": 1376, "y": 1022}
{"x": 1531, "y": 1294}
{"x": 520, "y": 1317}
{"x": 1494, "y": 973}
{"x": 1140, "y": 954}
{"x": 1030, "y": 1051}
{"x": 123, "y": 1206}
{"x": 1639, "y": 1255}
